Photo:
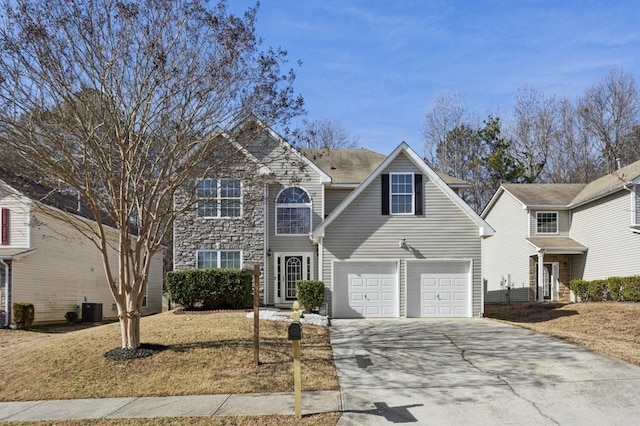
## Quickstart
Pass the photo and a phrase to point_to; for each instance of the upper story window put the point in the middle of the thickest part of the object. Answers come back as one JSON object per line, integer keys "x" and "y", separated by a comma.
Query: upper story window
{"x": 293, "y": 212}
{"x": 219, "y": 198}
{"x": 402, "y": 193}
{"x": 547, "y": 222}
{"x": 226, "y": 259}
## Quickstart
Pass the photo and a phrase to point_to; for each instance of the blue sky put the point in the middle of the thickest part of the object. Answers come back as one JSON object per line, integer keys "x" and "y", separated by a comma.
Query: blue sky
{"x": 377, "y": 66}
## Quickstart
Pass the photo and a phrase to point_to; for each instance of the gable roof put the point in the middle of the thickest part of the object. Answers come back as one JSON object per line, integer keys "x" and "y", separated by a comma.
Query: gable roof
{"x": 351, "y": 166}
{"x": 345, "y": 165}
{"x": 544, "y": 194}
{"x": 484, "y": 229}
{"x": 607, "y": 184}
{"x": 567, "y": 195}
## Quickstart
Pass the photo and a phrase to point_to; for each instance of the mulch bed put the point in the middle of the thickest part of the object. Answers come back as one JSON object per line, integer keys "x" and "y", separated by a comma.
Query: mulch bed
{"x": 145, "y": 350}
{"x": 182, "y": 311}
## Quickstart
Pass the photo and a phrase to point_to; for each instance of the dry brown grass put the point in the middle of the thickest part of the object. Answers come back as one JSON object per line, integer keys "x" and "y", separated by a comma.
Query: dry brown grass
{"x": 207, "y": 354}
{"x": 607, "y": 327}
{"x": 326, "y": 419}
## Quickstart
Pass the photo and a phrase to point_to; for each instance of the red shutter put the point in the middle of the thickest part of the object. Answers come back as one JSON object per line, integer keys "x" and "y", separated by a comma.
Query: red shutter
{"x": 5, "y": 227}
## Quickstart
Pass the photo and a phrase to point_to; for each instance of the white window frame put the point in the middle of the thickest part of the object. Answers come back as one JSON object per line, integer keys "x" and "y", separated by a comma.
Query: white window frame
{"x": 635, "y": 206}
{"x": 218, "y": 254}
{"x": 280, "y": 206}
{"x": 538, "y": 232}
{"x": 412, "y": 194}
{"x": 218, "y": 198}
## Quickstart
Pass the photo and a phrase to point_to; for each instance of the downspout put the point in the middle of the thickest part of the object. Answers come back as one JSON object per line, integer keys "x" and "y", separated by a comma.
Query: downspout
{"x": 265, "y": 250}
{"x": 7, "y": 312}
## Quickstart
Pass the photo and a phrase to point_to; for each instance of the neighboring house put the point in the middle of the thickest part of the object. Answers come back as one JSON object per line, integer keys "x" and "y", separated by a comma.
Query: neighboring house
{"x": 548, "y": 234}
{"x": 387, "y": 235}
{"x": 46, "y": 261}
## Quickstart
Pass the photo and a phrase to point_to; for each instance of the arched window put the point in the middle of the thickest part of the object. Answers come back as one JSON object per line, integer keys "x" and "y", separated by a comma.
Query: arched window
{"x": 293, "y": 212}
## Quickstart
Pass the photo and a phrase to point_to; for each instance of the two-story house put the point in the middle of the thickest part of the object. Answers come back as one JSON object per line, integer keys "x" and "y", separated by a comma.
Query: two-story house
{"x": 49, "y": 262}
{"x": 549, "y": 234}
{"x": 387, "y": 235}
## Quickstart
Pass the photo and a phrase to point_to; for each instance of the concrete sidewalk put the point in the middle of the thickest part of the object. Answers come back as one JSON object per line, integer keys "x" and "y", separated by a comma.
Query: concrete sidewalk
{"x": 170, "y": 406}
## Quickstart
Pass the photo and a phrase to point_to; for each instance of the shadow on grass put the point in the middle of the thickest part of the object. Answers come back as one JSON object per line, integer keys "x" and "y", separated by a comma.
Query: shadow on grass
{"x": 528, "y": 312}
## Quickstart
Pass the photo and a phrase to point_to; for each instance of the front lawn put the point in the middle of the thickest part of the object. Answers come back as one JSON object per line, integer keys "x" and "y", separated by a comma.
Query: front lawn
{"x": 612, "y": 328}
{"x": 207, "y": 354}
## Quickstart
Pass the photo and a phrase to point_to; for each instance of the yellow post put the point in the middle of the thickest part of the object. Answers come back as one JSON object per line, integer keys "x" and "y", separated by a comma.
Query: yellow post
{"x": 297, "y": 376}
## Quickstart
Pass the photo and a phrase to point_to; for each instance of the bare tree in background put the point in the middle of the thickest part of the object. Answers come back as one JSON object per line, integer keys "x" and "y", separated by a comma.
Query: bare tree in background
{"x": 448, "y": 112}
{"x": 534, "y": 128}
{"x": 125, "y": 103}
{"x": 609, "y": 110}
{"x": 326, "y": 134}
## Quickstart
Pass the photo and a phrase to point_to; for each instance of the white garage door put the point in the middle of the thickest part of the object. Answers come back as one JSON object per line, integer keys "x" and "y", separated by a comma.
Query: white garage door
{"x": 365, "y": 289}
{"x": 444, "y": 290}
{"x": 372, "y": 295}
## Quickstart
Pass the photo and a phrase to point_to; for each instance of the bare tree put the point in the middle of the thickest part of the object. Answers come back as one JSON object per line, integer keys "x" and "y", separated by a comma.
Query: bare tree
{"x": 533, "y": 130}
{"x": 609, "y": 110}
{"x": 128, "y": 102}
{"x": 448, "y": 112}
{"x": 327, "y": 134}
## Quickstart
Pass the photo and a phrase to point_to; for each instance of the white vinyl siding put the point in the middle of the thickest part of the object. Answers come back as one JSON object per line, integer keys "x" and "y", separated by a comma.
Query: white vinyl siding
{"x": 603, "y": 227}
{"x": 65, "y": 269}
{"x": 507, "y": 252}
{"x": 563, "y": 223}
{"x": 362, "y": 233}
{"x": 19, "y": 220}
{"x": 333, "y": 197}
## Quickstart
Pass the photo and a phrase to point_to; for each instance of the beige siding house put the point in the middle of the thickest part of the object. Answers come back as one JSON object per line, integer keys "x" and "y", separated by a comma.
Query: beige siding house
{"x": 549, "y": 234}
{"x": 387, "y": 235}
{"x": 46, "y": 261}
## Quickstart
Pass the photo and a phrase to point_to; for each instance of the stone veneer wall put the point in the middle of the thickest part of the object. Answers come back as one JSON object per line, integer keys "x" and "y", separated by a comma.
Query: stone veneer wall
{"x": 246, "y": 233}
{"x": 564, "y": 270}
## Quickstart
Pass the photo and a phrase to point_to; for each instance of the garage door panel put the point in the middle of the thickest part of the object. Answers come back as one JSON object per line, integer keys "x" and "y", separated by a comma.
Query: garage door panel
{"x": 369, "y": 294}
{"x": 443, "y": 289}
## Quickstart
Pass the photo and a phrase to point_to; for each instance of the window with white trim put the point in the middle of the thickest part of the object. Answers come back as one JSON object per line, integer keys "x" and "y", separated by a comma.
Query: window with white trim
{"x": 219, "y": 198}
{"x": 401, "y": 193}
{"x": 293, "y": 212}
{"x": 225, "y": 259}
{"x": 547, "y": 222}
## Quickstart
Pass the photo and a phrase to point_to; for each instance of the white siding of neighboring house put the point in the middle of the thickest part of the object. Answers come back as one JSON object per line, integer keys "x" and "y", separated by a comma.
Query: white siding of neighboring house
{"x": 564, "y": 223}
{"x": 604, "y": 227}
{"x": 361, "y": 232}
{"x": 18, "y": 220}
{"x": 65, "y": 269}
{"x": 507, "y": 251}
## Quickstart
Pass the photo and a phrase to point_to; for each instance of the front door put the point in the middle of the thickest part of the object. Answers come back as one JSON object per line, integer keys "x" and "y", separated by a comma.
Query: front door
{"x": 291, "y": 268}
{"x": 549, "y": 279}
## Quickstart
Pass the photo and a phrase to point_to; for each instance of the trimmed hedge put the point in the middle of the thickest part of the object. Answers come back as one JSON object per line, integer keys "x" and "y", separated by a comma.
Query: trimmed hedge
{"x": 23, "y": 315}
{"x": 310, "y": 294}
{"x": 619, "y": 289}
{"x": 211, "y": 288}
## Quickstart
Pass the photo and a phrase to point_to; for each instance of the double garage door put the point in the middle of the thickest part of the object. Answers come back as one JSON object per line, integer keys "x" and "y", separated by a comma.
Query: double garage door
{"x": 372, "y": 290}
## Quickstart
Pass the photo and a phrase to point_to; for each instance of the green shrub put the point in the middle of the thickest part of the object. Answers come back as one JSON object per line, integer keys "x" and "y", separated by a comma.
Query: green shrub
{"x": 614, "y": 286}
{"x": 580, "y": 289}
{"x": 23, "y": 315}
{"x": 71, "y": 317}
{"x": 630, "y": 290}
{"x": 310, "y": 294}
{"x": 210, "y": 288}
{"x": 597, "y": 290}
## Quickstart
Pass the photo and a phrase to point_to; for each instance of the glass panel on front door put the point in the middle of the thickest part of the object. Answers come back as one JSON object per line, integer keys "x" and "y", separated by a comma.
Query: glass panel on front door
{"x": 293, "y": 273}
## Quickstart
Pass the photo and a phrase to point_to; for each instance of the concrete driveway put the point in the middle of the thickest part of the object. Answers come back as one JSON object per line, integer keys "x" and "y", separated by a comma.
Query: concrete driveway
{"x": 476, "y": 372}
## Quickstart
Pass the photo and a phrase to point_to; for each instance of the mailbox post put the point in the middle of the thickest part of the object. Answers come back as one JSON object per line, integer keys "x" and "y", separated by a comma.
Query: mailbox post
{"x": 295, "y": 335}
{"x": 254, "y": 270}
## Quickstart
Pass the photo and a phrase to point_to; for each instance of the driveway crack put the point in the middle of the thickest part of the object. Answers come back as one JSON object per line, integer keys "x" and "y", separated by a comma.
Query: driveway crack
{"x": 506, "y": 383}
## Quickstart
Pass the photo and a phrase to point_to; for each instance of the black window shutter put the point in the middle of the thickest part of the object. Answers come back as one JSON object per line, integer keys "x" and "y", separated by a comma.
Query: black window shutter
{"x": 419, "y": 199}
{"x": 385, "y": 194}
